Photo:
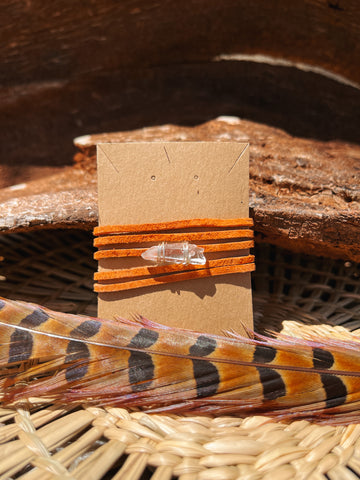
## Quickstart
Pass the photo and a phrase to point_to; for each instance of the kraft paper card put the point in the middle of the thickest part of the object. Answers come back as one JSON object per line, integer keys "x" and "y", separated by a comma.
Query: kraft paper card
{"x": 162, "y": 182}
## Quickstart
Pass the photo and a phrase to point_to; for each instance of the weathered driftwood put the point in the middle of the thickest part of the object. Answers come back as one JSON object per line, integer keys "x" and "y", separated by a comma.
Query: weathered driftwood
{"x": 111, "y": 66}
{"x": 304, "y": 195}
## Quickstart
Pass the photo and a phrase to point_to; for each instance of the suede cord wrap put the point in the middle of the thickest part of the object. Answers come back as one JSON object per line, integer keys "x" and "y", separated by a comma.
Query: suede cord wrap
{"x": 218, "y": 235}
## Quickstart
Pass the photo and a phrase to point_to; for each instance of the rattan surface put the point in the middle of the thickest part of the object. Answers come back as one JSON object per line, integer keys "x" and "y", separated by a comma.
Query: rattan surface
{"x": 293, "y": 293}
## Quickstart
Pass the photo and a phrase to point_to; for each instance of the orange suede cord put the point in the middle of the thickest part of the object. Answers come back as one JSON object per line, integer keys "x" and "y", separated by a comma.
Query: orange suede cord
{"x": 136, "y": 252}
{"x": 175, "y": 225}
{"x": 172, "y": 237}
{"x": 130, "y": 278}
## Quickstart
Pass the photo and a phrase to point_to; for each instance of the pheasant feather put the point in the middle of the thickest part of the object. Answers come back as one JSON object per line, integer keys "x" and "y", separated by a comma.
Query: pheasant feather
{"x": 71, "y": 358}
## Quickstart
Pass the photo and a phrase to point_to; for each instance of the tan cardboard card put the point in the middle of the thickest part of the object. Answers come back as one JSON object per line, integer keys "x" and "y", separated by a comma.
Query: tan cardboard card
{"x": 162, "y": 182}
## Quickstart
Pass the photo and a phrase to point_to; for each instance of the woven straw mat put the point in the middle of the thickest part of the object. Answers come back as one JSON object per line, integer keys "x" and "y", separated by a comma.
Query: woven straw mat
{"x": 293, "y": 293}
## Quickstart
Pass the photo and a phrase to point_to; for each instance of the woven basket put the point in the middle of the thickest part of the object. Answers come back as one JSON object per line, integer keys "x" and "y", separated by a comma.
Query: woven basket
{"x": 292, "y": 293}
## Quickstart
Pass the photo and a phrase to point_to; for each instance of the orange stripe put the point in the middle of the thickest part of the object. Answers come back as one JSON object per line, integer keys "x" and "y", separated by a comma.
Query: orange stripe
{"x": 173, "y": 237}
{"x": 155, "y": 270}
{"x": 136, "y": 252}
{"x": 177, "y": 277}
{"x": 149, "y": 227}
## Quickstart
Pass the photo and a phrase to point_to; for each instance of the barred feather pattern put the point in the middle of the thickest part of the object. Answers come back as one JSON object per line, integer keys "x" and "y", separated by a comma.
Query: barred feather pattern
{"x": 137, "y": 363}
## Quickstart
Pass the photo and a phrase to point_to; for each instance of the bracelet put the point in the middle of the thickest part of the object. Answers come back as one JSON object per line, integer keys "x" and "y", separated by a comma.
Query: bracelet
{"x": 183, "y": 266}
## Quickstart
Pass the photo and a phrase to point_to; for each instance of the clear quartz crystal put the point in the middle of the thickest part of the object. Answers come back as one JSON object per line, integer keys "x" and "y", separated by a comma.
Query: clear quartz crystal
{"x": 179, "y": 253}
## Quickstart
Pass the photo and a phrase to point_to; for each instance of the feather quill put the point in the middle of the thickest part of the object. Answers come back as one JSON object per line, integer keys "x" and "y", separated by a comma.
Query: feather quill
{"x": 138, "y": 363}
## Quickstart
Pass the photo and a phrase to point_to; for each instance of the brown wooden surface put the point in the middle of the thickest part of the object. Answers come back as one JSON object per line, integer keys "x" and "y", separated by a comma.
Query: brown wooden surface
{"x": 304, "y": 194}
{"x": 48, "y": 41}
{"x": 67, "y": 69}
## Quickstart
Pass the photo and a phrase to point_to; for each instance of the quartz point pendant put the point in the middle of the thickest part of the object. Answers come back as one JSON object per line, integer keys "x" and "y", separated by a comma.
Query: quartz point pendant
{"x": 175, "y": 253}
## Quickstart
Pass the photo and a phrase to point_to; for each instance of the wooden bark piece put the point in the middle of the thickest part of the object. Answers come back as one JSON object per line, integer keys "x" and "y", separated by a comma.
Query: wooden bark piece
{"x": 304, "y": 193}
{"x": 64, "y": 199}
{"x": 43, "y": 41}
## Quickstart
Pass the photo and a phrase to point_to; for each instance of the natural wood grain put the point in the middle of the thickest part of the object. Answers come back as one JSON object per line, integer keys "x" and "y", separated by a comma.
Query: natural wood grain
{"x": 71, "y": 69}
{"x": 304, "y": 194}
{"x": 55, "y": 41}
